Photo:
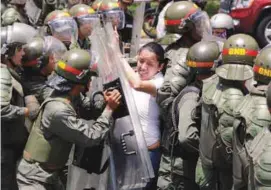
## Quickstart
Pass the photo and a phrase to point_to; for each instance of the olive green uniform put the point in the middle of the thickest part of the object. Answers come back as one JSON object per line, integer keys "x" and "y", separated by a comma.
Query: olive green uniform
{"x": 84, "y": 44}
{"x": 222, "y": 93}
{"x": 253, "y": 116}
{"x": 174, "y": 81}
{"x": 13, "y": 131}
{"x": 250, "y": 153}
{"x": 35, "y": 84}
{"x": 59, "y": 127}
{"x": 214, "y": 166}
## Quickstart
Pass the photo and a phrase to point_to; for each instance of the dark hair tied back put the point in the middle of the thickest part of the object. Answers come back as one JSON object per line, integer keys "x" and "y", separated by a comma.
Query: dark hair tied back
{"x": 157, "y": 49}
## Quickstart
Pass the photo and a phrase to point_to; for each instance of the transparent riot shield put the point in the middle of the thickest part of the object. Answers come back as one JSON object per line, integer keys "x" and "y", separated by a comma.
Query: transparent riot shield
{"x": 130, "y": 165}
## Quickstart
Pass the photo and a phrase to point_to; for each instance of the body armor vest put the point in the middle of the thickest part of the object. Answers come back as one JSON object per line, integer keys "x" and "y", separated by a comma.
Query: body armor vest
{"x": 219, "y": 101}
{"x": 173, "y": 138}
{"x": 47, "y": 150}
{"x": 260, "y": 161}
{"x": 253, "y": 116}
{"x": 180, "y": 71}
{"x": 176, "y": 82}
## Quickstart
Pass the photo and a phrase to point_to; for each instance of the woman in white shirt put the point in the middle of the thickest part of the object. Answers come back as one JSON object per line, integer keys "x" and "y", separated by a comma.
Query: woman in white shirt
{"x": 145, "y": 82}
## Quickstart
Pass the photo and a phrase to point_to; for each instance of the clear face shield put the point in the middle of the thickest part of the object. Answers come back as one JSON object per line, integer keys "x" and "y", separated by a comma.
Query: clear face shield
{"x": 87, "y": 23}
{"x": 202, "y": 23}
{"x": 117, "y": 18}
{"x": 54, "y": 47}
{"x": 64, "y": 29}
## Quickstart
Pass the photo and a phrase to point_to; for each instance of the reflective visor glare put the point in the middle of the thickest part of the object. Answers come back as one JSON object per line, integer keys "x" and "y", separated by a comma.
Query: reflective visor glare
{"x": 88, "y": 19}
{"x": 116, "y": 17}
{"x": 64, "y": 30}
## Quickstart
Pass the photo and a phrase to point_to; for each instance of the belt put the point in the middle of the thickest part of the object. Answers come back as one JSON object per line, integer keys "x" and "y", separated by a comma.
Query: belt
{"x": 45, "y": 166}
{"x": 154, "y": 146}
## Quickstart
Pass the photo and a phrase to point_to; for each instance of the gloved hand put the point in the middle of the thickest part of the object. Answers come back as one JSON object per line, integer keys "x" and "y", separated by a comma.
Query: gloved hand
{"x": 32, "y": 105}
{"x": 98, "y": 100}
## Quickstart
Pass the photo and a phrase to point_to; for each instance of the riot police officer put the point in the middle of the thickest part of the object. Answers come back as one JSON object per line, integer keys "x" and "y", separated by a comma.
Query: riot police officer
{"x": 222, "y": 93}
{"x": 222, "y": 25}
{"x": 41, "y": 54}
{"x": 112, "y": 12}
{"x": 180, "y": 18}
{"x": 86, "y": 20}
{"x": 253, "y": 116}
{"x": 62, "y": 26}
{"x": 57, "y": 126}
{"x": 13, "y": 109}
{"x": 186, "y": 109}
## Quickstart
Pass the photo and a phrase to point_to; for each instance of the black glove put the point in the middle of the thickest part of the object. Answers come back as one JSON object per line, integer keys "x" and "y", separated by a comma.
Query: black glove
{"x": 98, "y": 100}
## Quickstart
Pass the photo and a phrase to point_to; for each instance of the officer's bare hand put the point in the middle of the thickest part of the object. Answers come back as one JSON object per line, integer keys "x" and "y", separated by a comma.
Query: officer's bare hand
{"x": 112, "y": 99}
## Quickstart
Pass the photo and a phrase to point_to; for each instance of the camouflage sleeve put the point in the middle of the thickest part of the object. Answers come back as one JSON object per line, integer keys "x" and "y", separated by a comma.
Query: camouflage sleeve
{"x": 91, "y": 107}
{"x": 188, "y": 123}
{"x": 64, "y": 123}
{"x": 11, "y": 112}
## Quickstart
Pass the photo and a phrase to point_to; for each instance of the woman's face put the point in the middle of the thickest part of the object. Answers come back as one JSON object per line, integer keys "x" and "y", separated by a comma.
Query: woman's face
{"x": 147, "y": 65}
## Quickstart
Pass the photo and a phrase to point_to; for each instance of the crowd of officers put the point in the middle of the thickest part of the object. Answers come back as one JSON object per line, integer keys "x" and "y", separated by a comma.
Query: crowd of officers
{"x": 215, "y": 101}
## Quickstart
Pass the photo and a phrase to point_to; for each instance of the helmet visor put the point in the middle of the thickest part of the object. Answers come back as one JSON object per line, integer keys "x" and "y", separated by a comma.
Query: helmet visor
{"x": 54, "y": 47}
{"x": 202, "y": 23}
{"x": 117, "y": 18}
{"x": 64, "y": 29}
{"x": 87, "y": 23}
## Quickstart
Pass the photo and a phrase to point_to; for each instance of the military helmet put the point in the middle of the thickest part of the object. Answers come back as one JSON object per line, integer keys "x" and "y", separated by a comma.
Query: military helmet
{"x": 201, "y": 56}
{"x": 268, "y": 96}
{"x": 222, "y": 20}
{"x": 38, "y": 50}
{"x": 4, "y": 35}
{"x": 85, "y": 16}
{"x": 33, "y": 52}
{"x": 238, "y": 54}
{"x": 81, "y": 10}
{"x": 75, "y": 66}
{"x": 10, "y": 16}
{"x": 12, "y": 37}
{"x": 262, "y": 66}
{"x": 222, "y": 25}
{"x": 240, "y": 49}
{"x": 113, "y": 13}
{"x": 107, "y": 5}
{"x": 177, "y": 16}
{"x": 56, "y": 14}
{"x": 60, "y": 24}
